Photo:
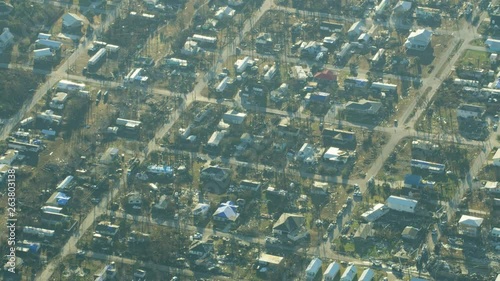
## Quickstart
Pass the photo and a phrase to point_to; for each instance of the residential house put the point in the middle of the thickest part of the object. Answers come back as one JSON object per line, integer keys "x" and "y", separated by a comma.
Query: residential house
{"x": 201, "y": 210}
{"x": 216, "y": 138}
{"x": 6, "y": 39}
{"x": 285, "y": 128}
{"x": 250, "y": 185}
{"x": 356, "y": 29}
{"x": 336, "y": 155}
{"x": 53, "y": 219}
{"x": 190, "y": 48}
{"x": 234, "y": 117}
{"x": 470, "y": 226}
{"x": 134, "y": 198}
{"x": 426, "y": 14}
{"x": 49, "y": 117}
{"x": 319, "y": 188}
{"x": 336, "y": 137}
{"x": 401, "y": 204}
{"x": 364, "y": 231}
{"x": 331, "y": 271}
{"x": 241, "y": 65}
{"x": 418, "y": 40}
{"x": 56, "y": 199}
{"x": 290, "y": 225}
{"x": 367, "y": 275}
{"x": 9, "y": 157}
{"x": 72, "y": 22}
{"x": 106, "y": 228}
{"x": 58, "y": 101}
{"x": 227, "y": 212}
{"x": 380, "y": 8}
{"x": 313, "y": 268}
{"x": 326, "y": 76}
{"x": 317, "y": 98}
{"x": 410, "y": 233}
{"x": 215, "y": 179}
{"x": 363, "y": 107}
{"x": 42, "y": 54}
{"x": 349, "y": 273}
{"x": 263, "y": 42}
{"x": 269, "y": 75}
{"x": 470, "y": 111}
{"x": 224, "y": 13}
{"x": 306, "y": 154}
{"x": 201, "y": 249}
{"x": 375, "y": 212}
{"x": 402, "y": 8}
{"x": 329, "y": 26}
{"x": 299, "y": 73}
{"x": 52, "y": 44}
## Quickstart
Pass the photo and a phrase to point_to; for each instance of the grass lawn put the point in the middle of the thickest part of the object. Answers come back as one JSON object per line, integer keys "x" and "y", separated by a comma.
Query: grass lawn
{"x": 475, "y": 58}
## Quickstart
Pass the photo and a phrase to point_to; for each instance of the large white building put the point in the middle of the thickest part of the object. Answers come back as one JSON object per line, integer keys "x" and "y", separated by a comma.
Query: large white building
{"x": 401, "y": 204}
{"x": 418, "y": 40}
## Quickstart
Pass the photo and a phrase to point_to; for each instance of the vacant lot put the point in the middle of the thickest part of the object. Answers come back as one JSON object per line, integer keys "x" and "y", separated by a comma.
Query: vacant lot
{"x": 474, "y": 59}
{"x": 16, "y": 86}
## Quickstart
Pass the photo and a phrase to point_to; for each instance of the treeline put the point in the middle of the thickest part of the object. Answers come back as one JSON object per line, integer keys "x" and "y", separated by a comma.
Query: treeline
{"x": 15, "y": 87}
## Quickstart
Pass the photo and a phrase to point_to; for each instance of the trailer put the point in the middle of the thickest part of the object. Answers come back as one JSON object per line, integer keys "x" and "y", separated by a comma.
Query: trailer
{"x": 204, "y": 39}
{"x": 97, "y": 57}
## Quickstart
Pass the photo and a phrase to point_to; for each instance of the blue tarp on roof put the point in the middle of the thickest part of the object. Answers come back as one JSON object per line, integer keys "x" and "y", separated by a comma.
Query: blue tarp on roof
{"x": 62, "y": 199}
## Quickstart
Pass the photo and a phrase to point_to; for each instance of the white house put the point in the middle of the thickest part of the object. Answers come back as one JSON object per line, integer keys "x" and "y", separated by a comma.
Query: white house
{"x": 242, "y": 64}
{"x": 216, "y": 138}
{"x": 42, "y": 53}
{"x": 6, "y": 39}
{"x": 331, "y": 271}
{"x": 66, "y": 85}
{"x": 313, "y": 268}
{"x": 401, "y": 204}
{"x": 349, "y": 273}
{"x": 470, "y": 226}
{"x": 334, "y": 154}
{"x": 375, "y": 212}
{"x": 222, "y": 84}
{"x": 356, "y": 29}
{"x": 418, "y": 40}
{"x": 224, "y": 12}
{"x": 234, "y": 117}
{"x": 306, "y": 153}
{"x": 52, "y": 44}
